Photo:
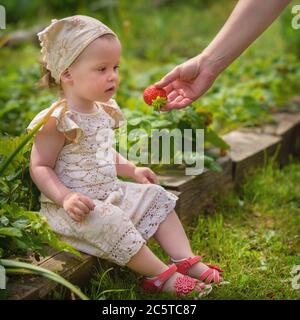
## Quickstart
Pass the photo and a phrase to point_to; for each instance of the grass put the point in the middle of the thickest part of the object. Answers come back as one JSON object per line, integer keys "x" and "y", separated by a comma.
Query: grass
{"x": 253, "y": 235}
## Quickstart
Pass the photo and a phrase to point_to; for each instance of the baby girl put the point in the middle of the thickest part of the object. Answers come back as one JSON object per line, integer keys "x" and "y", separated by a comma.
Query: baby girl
{"x": 71, "y": 164}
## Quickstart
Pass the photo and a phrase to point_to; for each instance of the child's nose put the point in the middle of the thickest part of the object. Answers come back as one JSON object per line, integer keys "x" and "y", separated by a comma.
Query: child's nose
{"x": 112, "y": 77}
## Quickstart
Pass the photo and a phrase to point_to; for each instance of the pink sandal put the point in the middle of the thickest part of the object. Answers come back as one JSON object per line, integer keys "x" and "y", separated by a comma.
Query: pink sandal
{"x": 183, "y": 285}
{"x": 211, "y": 275}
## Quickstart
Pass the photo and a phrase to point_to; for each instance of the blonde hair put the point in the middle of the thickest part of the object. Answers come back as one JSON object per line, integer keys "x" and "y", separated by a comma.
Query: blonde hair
{"x": 46, "y": 80}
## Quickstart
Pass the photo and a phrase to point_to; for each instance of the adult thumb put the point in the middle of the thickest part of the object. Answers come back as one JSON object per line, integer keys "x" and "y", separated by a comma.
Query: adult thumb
{"x": 168, "y": 78}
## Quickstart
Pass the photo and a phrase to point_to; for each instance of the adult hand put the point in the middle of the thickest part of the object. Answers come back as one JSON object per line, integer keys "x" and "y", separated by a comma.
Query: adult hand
{"x": 187, "y": 82}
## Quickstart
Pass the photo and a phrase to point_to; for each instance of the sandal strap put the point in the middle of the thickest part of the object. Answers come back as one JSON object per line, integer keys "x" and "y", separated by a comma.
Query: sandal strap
{"x": 165, "y": 275}
{"x": 205, "y": 274}
{"x": 217, "y": 277}
{"x": 210, "y": 275}
{"x": 183, "y": 266}
{"x": 213, "y": 266}
{"x": 157, "y": 283}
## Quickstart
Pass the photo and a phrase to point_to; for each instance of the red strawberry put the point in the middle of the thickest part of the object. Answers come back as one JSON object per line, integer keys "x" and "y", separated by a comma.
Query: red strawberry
{"x": 155, "y": 97}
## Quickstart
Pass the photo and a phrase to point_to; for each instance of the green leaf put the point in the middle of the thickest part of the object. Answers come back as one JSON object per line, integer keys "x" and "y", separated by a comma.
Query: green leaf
{"x": 161, "y": 124}
{"x": 158, "y": 103}
{"x": 135, "y": 121}
{"x": 4, "y": 221}
{"x": 214, "y": 166}
{"x": 11, "y": 232}
{"x": 16, "y": 267}
{"x": 20, "y": 223}
{"x": 212, "y": 137}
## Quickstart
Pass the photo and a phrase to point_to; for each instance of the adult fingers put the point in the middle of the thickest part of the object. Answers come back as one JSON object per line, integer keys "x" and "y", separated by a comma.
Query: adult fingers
{"x": 179, "y": 104}
{"x": 168, "y": 78}
{"x": 172, "y": 95}
{"x": 169, "y": 88}
{"x": 178, "y": 99}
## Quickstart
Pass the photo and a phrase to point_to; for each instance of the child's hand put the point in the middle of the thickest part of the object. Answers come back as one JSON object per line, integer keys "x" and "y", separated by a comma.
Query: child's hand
{"x": 77, "y": 205}
{"x": 144, "y": 175}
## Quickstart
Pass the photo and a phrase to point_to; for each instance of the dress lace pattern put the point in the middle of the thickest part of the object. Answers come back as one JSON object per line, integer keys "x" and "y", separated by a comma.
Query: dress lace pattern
{"x": 126, "y": 214}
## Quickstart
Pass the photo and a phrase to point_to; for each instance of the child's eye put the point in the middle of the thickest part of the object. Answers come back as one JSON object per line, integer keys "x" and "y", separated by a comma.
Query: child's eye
{"x": 101, "y": 69}
{"x": 116, "y": 67}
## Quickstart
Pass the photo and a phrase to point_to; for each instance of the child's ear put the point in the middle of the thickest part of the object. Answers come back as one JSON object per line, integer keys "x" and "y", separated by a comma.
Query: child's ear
{"x": 66, "y": 77}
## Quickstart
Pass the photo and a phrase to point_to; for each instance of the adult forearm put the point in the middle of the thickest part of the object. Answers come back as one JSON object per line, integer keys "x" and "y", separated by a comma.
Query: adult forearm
{"x": 247, "y": 21}
{"x": 48, "y": 183}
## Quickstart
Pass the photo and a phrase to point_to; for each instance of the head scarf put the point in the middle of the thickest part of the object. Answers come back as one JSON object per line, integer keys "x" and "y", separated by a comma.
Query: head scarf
{"x": 63, "y": 41}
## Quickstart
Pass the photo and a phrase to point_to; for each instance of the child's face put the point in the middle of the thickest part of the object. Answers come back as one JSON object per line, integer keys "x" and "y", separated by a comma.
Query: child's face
{"x": 95, "y": 75}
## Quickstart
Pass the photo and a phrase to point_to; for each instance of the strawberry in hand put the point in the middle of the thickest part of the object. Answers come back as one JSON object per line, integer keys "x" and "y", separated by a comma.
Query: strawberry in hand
{"x": 155, "y": 97}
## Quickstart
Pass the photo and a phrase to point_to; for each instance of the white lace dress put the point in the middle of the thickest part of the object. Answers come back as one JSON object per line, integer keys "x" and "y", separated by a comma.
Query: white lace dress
{"x": 126, "y": 214}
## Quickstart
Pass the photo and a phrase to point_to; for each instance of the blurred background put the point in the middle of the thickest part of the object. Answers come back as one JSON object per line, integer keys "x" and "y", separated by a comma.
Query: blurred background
{"x": 254, "y": 236}
{"x": 156, "y": 36}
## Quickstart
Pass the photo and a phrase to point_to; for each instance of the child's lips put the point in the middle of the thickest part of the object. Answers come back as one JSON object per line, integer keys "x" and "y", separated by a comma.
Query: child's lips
{"x": 111, "y": 89}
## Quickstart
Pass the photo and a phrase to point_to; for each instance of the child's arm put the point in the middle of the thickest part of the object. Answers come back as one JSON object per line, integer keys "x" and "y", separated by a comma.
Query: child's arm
{"x": 47, "y": 145}
{"x": 127, "y": 169}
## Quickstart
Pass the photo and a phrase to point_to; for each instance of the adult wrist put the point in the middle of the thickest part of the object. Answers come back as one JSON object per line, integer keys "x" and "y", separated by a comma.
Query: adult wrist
{"x": 212, "y": 63}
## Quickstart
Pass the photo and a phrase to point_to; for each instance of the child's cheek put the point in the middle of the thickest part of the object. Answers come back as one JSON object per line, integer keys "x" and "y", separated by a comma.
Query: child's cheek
{"x": 98, "y": 86}
{"x": 93, "y": 81}
{"x": 95, "y": 84}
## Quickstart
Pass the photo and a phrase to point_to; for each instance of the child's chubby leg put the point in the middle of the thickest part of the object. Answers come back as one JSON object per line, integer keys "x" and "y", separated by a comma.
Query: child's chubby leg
{"x": 146, "y": 263}
{"x": 162, "y": 277}
{"x": 173, "y": 240}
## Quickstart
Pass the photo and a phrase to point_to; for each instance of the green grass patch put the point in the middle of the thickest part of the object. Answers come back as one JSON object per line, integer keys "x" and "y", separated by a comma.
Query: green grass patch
{"x": 253, "y": 235}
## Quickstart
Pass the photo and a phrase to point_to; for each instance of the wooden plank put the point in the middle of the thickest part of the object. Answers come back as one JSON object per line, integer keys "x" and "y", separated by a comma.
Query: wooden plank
{"x": 296, "y": 100}
{"x": 177, "y": 193}
{"x": 18, "y": 37}
{"x": 37, "y": 259}
{"x": 287, "y": 126}
{"x": 249, "y": 150}
{"x": 250, "y": 147}
{"x": 198, "y": 192}
{"x": 67, "y": 265}
{"x": 174, "y": 180}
